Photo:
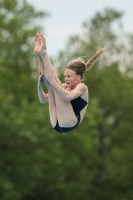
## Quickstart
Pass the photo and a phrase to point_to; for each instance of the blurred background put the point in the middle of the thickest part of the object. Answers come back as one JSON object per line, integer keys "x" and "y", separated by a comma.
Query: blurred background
{"x": 95, "y": 161}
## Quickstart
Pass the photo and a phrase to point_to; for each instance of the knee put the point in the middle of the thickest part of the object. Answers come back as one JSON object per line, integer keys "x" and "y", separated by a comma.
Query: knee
{"x": 67, "y": 123}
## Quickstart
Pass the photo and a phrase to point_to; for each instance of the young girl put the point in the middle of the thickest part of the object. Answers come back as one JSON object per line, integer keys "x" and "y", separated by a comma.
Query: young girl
{"x": 67, "y": 102}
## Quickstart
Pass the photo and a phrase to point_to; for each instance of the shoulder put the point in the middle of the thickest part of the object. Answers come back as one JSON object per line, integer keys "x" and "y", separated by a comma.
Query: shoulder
{"x": 82, "y": 87}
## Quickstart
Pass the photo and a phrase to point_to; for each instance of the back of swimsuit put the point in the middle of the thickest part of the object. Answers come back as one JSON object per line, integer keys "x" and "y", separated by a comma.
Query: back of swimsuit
{"x": 77, "y": 104}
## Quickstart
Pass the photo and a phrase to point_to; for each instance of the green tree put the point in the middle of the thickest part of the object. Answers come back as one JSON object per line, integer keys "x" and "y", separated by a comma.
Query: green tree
{"x": 108, "y": 122}
{"x": 19, "y": 105}
{"x": 95, "y": 160}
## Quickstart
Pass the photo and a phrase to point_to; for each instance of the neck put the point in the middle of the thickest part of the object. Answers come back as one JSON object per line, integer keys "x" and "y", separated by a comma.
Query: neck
{"x": 74, "y": 86}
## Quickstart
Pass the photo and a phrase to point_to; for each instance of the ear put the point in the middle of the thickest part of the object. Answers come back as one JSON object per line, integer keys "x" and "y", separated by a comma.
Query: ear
{"x": 78, "y": 77}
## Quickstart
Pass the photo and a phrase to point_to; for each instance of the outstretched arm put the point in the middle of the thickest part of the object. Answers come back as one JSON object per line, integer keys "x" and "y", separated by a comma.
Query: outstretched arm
{"x": 42, "y": 96}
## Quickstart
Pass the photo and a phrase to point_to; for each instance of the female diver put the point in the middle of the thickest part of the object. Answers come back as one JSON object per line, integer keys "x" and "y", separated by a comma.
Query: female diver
{"x": 68, "y": 101}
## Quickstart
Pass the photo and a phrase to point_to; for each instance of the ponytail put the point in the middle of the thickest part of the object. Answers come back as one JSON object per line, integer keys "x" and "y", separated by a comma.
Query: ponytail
{"x": 95, "y": 57}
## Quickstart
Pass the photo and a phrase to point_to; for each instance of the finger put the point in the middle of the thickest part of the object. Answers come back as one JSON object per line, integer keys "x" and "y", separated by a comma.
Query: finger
{"x": 47, "y": 71}
{"x": 40, "y": 73}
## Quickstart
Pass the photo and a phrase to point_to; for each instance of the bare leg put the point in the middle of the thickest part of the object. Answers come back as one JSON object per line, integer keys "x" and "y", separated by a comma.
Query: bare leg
{"x": 41, "y": 70}
{"x": 65, "y": 114}
{"x": 57, "y": 104}
{"x": 40, "y": 50}
{"x": 52, "y": 106}
{"x": 60, "y": 109}
{"x": 37, "y": 43}
{"x": 41, "y": 65}
{"x": 37, "y": 46}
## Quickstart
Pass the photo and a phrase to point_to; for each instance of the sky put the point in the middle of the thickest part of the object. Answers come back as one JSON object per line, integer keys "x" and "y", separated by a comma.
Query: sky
{"x": 67, "y": 16}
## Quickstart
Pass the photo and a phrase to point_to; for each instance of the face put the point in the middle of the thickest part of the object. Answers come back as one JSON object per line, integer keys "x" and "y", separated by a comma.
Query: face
{"x": 71, "y": 79}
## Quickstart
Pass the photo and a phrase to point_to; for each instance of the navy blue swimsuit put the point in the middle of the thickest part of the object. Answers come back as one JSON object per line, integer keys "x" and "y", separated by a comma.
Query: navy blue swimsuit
{"x": 77, "y": 104}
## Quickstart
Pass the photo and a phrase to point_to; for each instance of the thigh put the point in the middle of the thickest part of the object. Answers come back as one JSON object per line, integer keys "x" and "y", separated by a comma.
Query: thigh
{"x": 52, "y": 106}
{"x": 65, "y": 114}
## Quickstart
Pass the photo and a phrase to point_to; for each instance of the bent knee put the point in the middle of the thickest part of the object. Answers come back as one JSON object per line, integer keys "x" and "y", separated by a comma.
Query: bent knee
{"x": 67, "y": 123}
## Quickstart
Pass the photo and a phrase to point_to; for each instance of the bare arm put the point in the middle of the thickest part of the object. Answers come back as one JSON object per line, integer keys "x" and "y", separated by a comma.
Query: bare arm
{"x": 79, "y": 90}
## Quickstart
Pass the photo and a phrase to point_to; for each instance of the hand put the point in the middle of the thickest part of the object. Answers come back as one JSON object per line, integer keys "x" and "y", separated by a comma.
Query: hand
{"x": 50, "y": 76}
{"x": 40, "y": 80}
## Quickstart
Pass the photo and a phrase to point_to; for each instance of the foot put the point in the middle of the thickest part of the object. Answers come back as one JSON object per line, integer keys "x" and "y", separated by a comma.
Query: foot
{"x": 40, "y": 45}
{"x": 37, "y": 42}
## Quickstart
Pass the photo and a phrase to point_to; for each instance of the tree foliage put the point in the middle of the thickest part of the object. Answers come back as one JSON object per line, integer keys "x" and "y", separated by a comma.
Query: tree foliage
{"x": 95, "y": 160}
{"x": 108, "y": 122}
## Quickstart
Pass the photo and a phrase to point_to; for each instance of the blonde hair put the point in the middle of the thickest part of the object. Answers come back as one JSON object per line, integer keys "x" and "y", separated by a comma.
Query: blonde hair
{"x": 80, "y": 67}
